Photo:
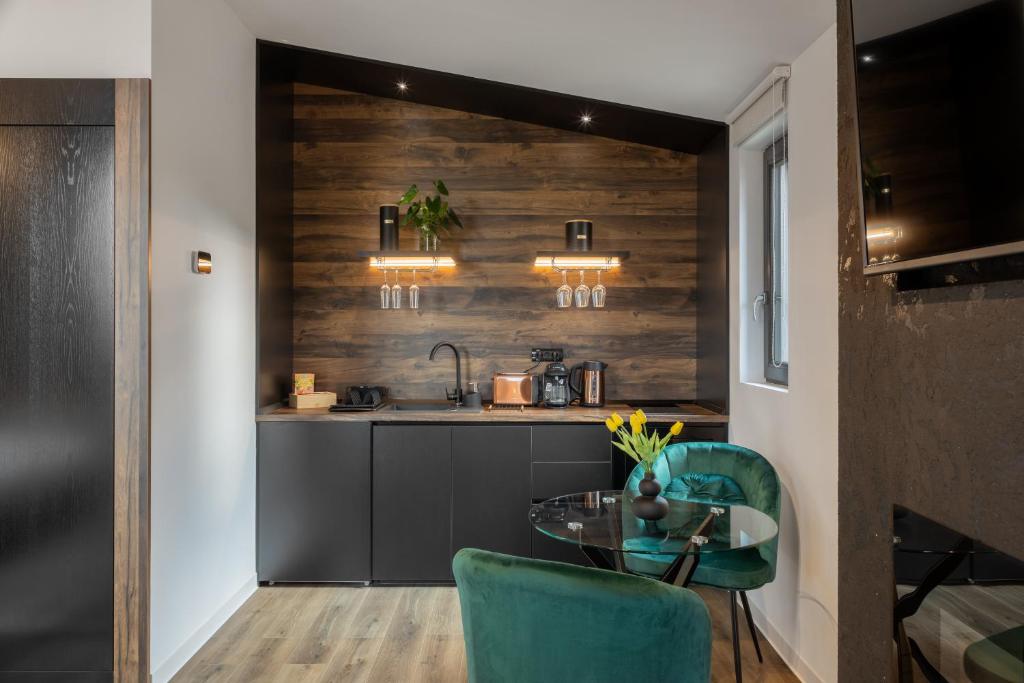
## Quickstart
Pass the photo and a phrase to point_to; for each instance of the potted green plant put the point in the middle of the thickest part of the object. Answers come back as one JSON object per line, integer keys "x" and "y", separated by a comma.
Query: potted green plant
{"x": 645, "y": 449}
{"x": 430, "y": 215}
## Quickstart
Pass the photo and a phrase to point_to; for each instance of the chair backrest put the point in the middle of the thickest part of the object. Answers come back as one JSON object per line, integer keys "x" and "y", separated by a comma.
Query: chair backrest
{"x": 755, "y": 476}
{"x": 534, "y": 621}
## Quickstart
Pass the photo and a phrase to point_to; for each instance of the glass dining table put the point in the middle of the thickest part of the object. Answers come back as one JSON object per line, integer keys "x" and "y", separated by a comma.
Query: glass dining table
{"x": 604, "y": 527}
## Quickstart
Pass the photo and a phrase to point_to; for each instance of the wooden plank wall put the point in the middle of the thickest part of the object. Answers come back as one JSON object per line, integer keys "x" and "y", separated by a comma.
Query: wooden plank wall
{"x": 515, "y": 185}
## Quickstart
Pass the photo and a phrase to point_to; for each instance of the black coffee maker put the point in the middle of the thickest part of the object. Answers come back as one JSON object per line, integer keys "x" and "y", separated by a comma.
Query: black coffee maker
{"x": 555, "y": 386}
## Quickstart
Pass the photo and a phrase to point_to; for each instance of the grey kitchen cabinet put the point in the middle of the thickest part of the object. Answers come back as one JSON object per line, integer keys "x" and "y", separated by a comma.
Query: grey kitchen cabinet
{"x": 412, "y": 503}
{"x": 313, "y": 501}
{"x": 567, "y": 459}
{"x": 491, "y": 491}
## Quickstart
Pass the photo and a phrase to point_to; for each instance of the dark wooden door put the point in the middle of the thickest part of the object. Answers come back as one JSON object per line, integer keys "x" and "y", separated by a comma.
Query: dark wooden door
{"x": 56, "y": 400}
{"x": 313, "y": 501}
{"x": 412, "y": 503}
{"x": 491, "y": 489}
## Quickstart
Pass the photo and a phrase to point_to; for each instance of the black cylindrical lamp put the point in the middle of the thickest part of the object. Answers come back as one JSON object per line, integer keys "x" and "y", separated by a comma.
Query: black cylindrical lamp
{"x": 389, "y": 227}
{"x": 579, "y": 234}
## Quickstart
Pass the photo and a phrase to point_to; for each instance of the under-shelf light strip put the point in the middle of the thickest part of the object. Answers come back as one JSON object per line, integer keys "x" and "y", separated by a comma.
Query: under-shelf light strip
{"x": 578, "y": 262}
{"x": 411, "y": 262}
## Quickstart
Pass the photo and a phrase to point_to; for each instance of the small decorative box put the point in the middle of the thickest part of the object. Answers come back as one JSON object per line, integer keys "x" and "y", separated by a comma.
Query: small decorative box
{"x": 317, "y": 399}
{"x": 302, "y": 383}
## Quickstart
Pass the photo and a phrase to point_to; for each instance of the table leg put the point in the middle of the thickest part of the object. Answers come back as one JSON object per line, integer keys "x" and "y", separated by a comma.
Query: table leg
{"x": 597, "y": 558}
{"x": 671, "y": 574}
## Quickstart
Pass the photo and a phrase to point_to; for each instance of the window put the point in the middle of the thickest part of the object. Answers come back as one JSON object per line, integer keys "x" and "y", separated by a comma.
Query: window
{"x": 775, "y": 297}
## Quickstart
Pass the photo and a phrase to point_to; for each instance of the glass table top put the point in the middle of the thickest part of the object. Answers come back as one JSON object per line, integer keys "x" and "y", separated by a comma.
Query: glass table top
{"x": 604, "y": 519}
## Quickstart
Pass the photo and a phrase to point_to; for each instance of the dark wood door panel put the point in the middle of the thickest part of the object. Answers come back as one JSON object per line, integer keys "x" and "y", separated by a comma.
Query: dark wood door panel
{"x": 412, "y": 503}
{"x": 491, "y": 489}
{"x": 56, "y": 102}
{"x": 313, "y": 503}
{"x": 56, "y": 397}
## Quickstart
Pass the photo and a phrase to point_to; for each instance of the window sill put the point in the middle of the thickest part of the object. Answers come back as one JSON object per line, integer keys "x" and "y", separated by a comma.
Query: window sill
{"x": 778, "y": 388}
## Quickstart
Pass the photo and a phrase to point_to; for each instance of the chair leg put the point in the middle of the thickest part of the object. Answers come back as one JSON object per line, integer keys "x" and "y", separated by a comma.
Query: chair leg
{"x": 750, "y": 625}
{"x": 735, "y": 638}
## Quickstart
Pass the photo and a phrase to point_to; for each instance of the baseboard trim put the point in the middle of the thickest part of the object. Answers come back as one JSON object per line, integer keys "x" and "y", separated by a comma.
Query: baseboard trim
{"x": 178, "y": 659}
{"x": 789, "y": 655}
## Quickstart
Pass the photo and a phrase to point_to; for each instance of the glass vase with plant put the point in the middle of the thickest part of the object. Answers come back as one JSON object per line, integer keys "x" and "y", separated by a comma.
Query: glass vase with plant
{"x": 645, "y": 449}
{"x": 429, "y": 215}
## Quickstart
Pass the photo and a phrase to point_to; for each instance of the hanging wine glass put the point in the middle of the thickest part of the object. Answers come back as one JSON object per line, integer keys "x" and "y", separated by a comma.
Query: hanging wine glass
{"x": 414, "y": 293}
{"x": 385, "y": 293}
{"x": 582, "y": 293}
{"x": 599, "y": 292}
{"x": 396, "y": 293}
{"x": 564, "y": 294}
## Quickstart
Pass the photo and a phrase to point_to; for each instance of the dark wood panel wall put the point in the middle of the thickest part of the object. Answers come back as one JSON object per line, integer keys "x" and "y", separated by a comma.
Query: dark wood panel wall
{"x": 514, "y": 185}
{"x": 273, "y": 230}
{"x": 929, "y": 412}
{"x": 713, "y": 275}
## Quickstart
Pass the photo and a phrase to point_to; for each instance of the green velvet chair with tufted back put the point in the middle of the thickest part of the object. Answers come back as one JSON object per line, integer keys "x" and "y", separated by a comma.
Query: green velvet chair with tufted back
{"x": 758, "y": 487}
{"x": 534, "y": 621}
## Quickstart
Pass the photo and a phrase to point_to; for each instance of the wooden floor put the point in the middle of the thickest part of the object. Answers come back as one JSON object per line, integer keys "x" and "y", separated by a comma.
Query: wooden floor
{"x": 404, "y": 635}
{"x": 951, "y": 618}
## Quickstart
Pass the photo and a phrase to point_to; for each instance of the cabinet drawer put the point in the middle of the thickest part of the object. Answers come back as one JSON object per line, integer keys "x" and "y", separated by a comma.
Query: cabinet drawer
{"x": 705, "y": 432}
{"x": 695, "y": 432}
{"x": 571, "y": 443}
{"x": 552, "y": 479}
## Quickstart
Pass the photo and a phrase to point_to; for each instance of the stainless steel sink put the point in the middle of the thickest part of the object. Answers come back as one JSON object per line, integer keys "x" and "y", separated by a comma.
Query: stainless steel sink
{"x": 434, "y": 406}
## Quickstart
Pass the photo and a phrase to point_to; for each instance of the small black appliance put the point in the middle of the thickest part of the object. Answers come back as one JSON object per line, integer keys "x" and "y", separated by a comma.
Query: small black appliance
{"x": 555, "y": 389}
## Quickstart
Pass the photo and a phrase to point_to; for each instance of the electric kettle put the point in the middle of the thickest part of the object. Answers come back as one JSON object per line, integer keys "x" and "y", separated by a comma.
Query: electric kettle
{"x": 586, "y": 380}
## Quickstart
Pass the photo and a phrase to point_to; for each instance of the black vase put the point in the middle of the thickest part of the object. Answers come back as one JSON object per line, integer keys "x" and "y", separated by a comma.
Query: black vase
{"x": 649, "y": 505}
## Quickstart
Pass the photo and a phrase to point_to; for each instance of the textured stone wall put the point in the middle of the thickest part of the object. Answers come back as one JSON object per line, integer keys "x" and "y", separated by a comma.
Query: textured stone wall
{"x": 931, "y": 414}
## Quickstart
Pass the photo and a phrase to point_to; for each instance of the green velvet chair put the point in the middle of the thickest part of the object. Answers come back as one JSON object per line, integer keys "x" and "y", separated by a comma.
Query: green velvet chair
{"x": 534, "y": 621}
{"x": 734, "y": 571}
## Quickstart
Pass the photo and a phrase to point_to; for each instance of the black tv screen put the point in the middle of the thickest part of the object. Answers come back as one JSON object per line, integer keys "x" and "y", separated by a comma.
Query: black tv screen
{"x": 940, "y": 104}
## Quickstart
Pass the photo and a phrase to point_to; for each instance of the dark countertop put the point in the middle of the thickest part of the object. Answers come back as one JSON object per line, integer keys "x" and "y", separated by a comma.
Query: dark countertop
{"x": 689, "y": 413}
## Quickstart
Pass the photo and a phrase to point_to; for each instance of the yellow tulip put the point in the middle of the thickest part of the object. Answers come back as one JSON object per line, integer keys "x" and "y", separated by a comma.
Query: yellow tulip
{"x": 642, "y": 416}
{"x": 610, "y": 424}
{"x": 676, "y": 429}
{"x": 635, "y": 423}
{"x": 617, "y": 419}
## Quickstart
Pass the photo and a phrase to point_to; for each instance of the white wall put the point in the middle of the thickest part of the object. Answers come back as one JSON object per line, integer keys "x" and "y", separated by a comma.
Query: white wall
{"x": 797, "y": 429}
{"x": 74, "y": 39}
{"x": 204, "y": 444}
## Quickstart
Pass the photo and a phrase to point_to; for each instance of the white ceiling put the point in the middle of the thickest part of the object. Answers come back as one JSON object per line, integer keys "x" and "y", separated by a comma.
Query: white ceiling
{"x": 696, "y": 57}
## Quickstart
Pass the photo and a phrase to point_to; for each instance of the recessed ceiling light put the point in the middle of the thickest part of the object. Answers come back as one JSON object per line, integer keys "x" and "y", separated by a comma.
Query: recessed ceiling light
{"x": 867, "y": 58}
{"x": 586, "y": 119}
{"x": 402, "y": 86}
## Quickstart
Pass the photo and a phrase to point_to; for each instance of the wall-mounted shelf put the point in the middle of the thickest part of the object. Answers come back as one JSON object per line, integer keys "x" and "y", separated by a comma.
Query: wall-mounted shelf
{"x": 409, "y": 260}
{"x": 580, "y": 260}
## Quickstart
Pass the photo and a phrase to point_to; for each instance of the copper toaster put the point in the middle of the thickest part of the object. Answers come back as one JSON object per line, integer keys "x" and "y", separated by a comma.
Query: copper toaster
{"x": 515, "y": 389}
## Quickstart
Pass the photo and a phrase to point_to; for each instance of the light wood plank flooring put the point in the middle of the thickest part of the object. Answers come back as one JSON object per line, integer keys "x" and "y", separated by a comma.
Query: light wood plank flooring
{"x": 286, "y": 634}
{"x": 953, "y": 617}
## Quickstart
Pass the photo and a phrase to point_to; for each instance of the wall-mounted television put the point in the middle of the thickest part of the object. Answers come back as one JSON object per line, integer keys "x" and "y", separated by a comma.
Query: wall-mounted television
{"x": 940, "y": 108}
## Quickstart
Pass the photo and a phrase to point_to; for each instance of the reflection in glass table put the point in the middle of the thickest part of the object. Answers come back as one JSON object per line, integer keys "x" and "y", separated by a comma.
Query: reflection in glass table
{"x": 604, "y": 527}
